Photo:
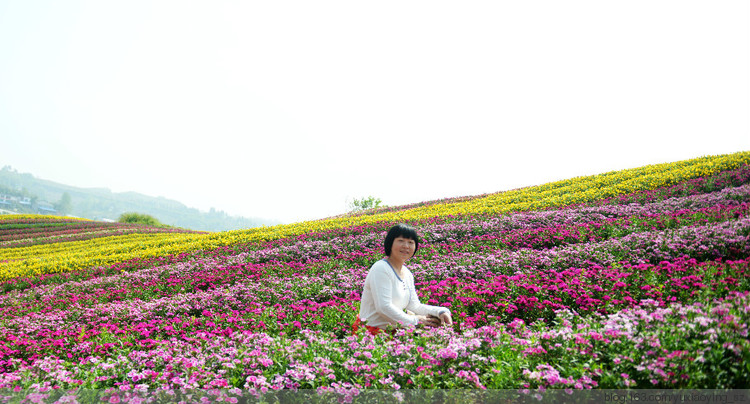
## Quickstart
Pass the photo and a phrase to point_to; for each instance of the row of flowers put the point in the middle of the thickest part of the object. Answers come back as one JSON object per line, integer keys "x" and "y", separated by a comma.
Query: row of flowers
{"x": 497, "y": 240}
{"x": 74, "y": 255}
{"x": 222, "y": 301}
{"x": 705, "y": 184}
{"x": 651, "y": 345}
{"x": 730, "y": 182}
{"x": 63, "y": 232}
{"x": 531, "y": 230}
{"x": 708, "y": 183}
{"x": 557, "y": 194}
{"x": 11, "y": 228}
{"x": 30, "y": 219}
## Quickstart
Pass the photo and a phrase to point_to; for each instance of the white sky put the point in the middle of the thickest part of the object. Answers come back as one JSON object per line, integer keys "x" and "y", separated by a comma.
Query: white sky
{"x": 285, "y": 110}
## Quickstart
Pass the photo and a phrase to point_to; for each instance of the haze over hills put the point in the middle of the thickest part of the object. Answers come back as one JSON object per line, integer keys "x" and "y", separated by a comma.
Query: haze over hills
{"x": 24, "y": 193}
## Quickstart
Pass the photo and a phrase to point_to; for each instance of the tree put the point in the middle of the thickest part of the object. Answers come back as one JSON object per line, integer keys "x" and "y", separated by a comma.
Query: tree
{"x": 370, "y": 202}
{"x": 65, "y": 204}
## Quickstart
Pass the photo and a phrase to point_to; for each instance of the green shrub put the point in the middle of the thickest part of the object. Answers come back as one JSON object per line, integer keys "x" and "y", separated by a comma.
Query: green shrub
{"x": 140, "y": 218}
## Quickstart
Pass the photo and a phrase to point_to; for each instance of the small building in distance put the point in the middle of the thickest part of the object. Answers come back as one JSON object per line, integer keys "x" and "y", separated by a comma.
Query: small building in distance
{"x": 45, "y": 208}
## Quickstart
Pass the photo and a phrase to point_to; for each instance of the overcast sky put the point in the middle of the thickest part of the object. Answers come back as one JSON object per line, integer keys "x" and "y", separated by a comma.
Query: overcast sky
{"x": 288, "y": 109}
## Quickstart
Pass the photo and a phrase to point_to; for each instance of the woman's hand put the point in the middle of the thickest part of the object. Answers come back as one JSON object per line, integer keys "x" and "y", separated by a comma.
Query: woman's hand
{"x": 428, "y": 321}
{"x": 432, "y": 321}
{"x": 446, "y": 318}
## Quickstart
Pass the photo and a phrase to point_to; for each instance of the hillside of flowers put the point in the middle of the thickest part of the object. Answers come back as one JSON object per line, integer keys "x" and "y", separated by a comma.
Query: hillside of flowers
{"x": 631, "y": 279}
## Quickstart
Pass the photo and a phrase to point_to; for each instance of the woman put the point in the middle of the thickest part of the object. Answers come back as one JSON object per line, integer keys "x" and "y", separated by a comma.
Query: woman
{"x": 389, "y": 289}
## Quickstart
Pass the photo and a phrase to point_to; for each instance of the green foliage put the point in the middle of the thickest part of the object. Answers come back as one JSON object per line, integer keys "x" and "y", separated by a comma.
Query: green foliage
{"x": 65, "y": 205}
{"x": 139, "y": 218}
{"x": 364, "y": 203}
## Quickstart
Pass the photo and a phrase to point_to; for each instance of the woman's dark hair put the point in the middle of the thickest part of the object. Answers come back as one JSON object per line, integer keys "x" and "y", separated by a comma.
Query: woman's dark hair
{"x": 401, "y": 230}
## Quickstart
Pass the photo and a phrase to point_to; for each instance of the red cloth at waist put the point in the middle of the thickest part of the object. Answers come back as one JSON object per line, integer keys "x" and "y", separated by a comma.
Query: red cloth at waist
{"x": 358, "y": 323}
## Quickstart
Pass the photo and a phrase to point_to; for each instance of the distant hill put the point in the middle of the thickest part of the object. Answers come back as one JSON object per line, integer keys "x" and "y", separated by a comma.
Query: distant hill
{"x": 24, "y": 193}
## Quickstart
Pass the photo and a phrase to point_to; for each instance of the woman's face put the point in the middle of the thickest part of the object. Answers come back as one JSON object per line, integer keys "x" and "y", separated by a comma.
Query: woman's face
{"x": 403, "y": 248}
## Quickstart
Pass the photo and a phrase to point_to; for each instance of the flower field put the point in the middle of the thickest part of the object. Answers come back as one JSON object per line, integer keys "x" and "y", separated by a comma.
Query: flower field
{"x": 25, "y": 231}
{"x": 631, "y": 279}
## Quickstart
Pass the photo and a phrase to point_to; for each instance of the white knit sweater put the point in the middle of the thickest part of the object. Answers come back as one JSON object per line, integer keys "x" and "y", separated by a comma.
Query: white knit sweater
{"x": 385, "y": 296}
